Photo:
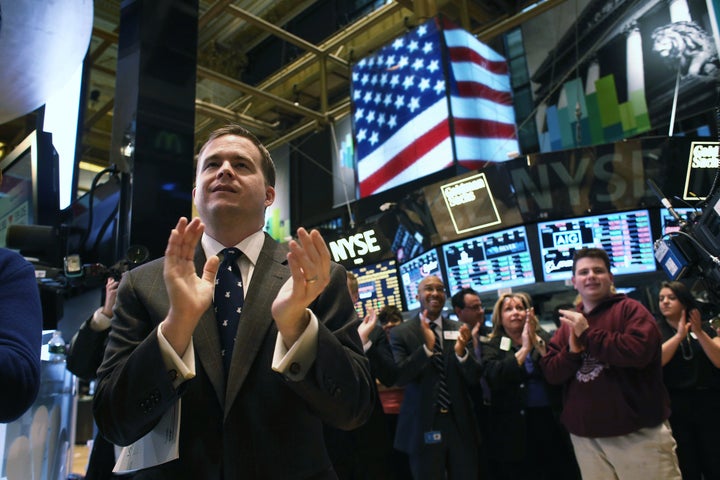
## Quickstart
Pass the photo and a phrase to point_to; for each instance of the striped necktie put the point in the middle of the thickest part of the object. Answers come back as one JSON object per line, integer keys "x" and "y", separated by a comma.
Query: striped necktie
{"x": 443, "y": 395}
{"x": 228, "y": 300}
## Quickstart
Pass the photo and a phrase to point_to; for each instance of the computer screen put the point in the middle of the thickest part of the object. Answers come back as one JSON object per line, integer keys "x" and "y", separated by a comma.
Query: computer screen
{"x": 378, "y": 285}
{"x": 29, "y": 190}
{"x": 490, "y": 262}
{"x": 625, "y": 236}
{"x": 668, "y": 223}
{"x": 412, "y": 273}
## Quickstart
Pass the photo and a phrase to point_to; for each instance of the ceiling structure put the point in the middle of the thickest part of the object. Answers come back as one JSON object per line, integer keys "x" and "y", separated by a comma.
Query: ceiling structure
{"x": 308, "y": 91}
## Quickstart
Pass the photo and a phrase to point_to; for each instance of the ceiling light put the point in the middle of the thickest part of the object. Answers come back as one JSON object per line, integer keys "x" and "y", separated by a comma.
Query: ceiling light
{"x": 90, "y": 167}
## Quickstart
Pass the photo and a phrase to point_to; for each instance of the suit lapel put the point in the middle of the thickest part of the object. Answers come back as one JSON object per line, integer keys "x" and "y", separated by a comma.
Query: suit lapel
{"x": 269, "y": 275}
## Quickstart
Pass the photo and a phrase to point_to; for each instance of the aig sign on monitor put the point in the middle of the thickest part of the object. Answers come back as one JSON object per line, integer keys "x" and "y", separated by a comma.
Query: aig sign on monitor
{"x": 470, "y": 203}
{"x": 701, "y": 169}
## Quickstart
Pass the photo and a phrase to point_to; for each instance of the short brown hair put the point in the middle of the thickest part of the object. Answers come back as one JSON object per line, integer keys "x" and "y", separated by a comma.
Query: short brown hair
{"x": 267, "y": 165}
{"x": 591, "y": 253}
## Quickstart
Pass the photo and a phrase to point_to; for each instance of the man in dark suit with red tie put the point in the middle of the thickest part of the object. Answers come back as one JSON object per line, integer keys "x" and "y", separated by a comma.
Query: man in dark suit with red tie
{"x": 436, "y": 426}
{"x": 296, "y": 360}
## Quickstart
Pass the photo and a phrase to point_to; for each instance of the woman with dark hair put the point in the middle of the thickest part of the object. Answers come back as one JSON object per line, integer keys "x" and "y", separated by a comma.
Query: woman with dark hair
{"x": 691, "y": 370}
{"x": 527, "y": 440}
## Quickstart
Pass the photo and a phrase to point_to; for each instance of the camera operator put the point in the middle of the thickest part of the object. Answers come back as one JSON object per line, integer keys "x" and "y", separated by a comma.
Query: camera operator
{"x": 85, "y": 354}
{"x": 691, "y": 371}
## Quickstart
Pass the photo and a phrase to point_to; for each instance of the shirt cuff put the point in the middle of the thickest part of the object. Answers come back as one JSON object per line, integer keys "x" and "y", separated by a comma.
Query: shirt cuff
{"x": 463, "y": 358}
{"x": 428, "y": 352}
{"x": 99, "y": 321}
{"x": 295, "y": 361}
{"x": 179, "y": 368}
{"x": 367, "y": 345}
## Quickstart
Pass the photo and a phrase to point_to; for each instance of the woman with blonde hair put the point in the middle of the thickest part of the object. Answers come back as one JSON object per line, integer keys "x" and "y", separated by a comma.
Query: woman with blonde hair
{"x": 527, "y": 440}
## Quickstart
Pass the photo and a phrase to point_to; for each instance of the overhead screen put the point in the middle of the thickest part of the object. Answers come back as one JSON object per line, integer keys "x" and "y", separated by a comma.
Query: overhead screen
{"x": 378, "y": 285}
{"x": 668, "y": 223}
{"x": 412, "y": 272}
{"x": 625, "y": 236}
{"x": 29, "y": 190}
{"x": 490, "y": 262}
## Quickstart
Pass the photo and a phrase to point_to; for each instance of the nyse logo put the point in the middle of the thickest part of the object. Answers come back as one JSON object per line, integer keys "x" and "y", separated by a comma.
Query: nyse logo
{"x": 565, "y": 239}
{"x": 354, "y": 246}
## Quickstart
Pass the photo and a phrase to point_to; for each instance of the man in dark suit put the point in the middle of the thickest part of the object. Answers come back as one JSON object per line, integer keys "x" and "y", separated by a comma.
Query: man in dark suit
{"x": 437, "y": 426}
{"x": 296, "y": 361}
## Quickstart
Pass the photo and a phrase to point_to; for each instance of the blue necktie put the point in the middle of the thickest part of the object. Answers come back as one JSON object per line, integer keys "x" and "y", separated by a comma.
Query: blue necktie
{"x": 228, "y": 300}
{"x": 438, "y": 360}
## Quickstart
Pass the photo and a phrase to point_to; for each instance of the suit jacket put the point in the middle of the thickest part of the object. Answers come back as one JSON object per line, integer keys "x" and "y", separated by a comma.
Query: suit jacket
{"x": 420, "y": 378}
{"x": 508, "y": 382}
{"x": 261, "y": 424}
{"x": 86, "y": 351}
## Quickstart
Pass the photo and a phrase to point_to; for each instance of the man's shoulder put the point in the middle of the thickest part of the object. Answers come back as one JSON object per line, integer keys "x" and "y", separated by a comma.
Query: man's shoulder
{"x": 406, "y": 326}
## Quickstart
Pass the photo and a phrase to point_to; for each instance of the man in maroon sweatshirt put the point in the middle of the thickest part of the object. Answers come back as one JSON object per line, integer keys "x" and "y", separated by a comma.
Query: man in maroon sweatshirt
{"x": 606, "y": 354}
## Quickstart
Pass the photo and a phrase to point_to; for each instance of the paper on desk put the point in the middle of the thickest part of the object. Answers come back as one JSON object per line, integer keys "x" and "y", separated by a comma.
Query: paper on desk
{"x": 157, "y": 447}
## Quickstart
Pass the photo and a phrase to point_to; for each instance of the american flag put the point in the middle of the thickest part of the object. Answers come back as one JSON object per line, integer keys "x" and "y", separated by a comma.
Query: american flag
{"x": 414, "y": 113}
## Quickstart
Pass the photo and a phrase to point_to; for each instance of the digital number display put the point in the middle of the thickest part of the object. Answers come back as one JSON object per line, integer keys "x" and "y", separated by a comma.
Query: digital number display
{"x": 490, "y": 262}
{"x": 412, "y": 272}
{"x": 625, "y": 236}
{"x": 378, "y": 285}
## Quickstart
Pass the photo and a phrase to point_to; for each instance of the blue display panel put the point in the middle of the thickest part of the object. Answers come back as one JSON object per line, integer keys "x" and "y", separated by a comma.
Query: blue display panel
{"x": 378, "y": 285}
{"x": 625, "y": 236}
{"x": 668, "y": 223}
{"x": 489, "y": 262}
{"x": 412, "y": 272}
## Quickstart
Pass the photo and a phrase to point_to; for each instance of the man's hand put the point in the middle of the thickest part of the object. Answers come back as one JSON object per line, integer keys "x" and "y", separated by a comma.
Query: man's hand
{"x": 576, "y": 320}
{"x": 309, "y": 262}
{"x": 189, "y": 294}
{"x": 367, "y": 325}
{"x": 464, "y": 337}
{"x": 111, "y": 288}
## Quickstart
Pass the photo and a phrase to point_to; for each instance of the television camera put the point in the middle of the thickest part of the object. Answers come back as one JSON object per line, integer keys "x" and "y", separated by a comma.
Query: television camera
{"x": 692, "y": 252}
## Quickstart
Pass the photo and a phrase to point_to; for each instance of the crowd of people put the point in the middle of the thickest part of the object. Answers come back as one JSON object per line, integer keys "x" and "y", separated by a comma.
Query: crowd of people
{"x": 252, "y": 389}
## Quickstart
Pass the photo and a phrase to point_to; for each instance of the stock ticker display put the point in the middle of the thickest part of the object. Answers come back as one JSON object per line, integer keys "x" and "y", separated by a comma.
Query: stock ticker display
{"x": 412, "y": 272}
{"x": 378, "y": 285}
{"x": 490, "y": 262}
{"x": 625, "y": 236}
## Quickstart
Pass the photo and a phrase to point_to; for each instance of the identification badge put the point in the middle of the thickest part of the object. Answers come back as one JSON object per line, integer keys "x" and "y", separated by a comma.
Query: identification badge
{"x": 451, "y": 334}
{"x": 505, "y": 344}
{"x": 433, "y": 437}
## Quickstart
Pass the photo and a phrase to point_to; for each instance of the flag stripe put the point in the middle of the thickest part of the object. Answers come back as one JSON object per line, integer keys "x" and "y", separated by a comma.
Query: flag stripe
{"x": 488, "y": 149}
{"x": 457, "y": 37}
{"x": 407, "y": 134}
{"x": 466, "y": 54}
{"x": 471, "y": 127}
{"x": 482, "y": 109}
{"x": 477, "y": 90}
{"x": 408, "y": 156}
{"x": 471, "y": 72}
{"x": 422, "y": 167}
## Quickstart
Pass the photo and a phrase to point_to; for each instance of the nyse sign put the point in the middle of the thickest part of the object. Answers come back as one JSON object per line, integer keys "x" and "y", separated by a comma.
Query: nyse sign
{"x": 356, "y": 248}
{"x": 581, "y": 183}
